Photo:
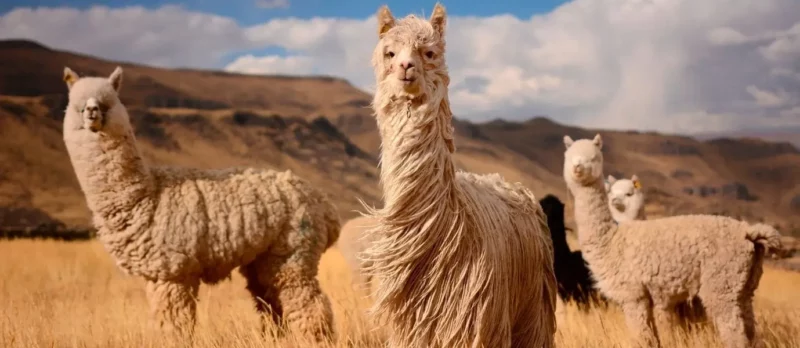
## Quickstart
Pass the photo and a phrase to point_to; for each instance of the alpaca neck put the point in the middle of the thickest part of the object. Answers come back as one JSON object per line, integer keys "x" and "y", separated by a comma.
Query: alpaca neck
{"x": 417, "y": 170}
{"x": 597, "y": 230}
{"x": 111, "y": 173}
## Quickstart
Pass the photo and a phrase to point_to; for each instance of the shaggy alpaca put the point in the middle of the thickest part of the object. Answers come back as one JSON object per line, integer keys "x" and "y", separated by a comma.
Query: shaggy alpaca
{"x": 647, "y": 264}
{"x": 625, "y": 198}
{"x": 574, "y": 278}
{"x": 177, "y": 227}
{"x": 352, "y": 242}
{"x": 460, "y": 260}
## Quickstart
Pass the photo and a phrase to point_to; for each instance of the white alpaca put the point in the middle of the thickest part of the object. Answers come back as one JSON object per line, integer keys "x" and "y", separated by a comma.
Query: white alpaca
{"x": 179, "y": 227}
{"x": 461, "y": 260}
{"x": 625, "y": 198}
{"x": 647, "y": 264}
{"x": 626, "y": 201}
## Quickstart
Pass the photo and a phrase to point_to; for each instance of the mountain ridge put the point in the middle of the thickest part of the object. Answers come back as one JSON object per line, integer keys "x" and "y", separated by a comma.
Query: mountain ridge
{"x": 323, "y": 128}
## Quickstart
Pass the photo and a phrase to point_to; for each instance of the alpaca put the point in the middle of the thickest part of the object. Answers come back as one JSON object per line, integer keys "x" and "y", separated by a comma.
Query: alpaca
{"x": 626, "y": 201}
{"x": 573, "y": 276}
{"x": 179, "y": 227}
{"x": 625, "y": 198}
{"x": 460, "y": 259}
{"x": 644, "y": 265}
{"x": 352, "y": 242}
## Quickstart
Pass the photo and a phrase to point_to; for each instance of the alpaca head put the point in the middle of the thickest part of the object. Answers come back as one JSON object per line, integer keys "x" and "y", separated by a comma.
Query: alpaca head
{"x": 94, "y": 103}
{"x": 583, "y": 160}
{"x": 625, "y": 196}
{"x": 409, "y": 58}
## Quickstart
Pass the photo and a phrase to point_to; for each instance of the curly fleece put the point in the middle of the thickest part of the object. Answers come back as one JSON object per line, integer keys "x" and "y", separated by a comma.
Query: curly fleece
{"x": 655, "y": 264}
{"x": 177, "y": 227}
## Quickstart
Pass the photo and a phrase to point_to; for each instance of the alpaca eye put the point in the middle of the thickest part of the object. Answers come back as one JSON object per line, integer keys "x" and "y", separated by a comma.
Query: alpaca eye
{"x": 390, "y": 54}
{"x": 429, "y": 54}
{"x": 629, "y": 194}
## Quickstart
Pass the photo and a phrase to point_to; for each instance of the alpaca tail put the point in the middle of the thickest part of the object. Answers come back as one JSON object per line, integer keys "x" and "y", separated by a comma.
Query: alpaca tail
{"x": 765, "y": 237}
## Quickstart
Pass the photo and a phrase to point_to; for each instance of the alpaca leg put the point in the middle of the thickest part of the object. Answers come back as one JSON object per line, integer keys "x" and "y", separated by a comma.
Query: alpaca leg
{"x": 287, "y": 287}
{"x": 665, "y": 319}
{"x": 173, "y": 306}
{"x": 639, "y": 318}
{"x": 306, "y": 308}
{"x": 750, "y": 323}
{"x": 746, "y": 305}
{"x": 260, "y": 285}
{"x": 729, "y": 320}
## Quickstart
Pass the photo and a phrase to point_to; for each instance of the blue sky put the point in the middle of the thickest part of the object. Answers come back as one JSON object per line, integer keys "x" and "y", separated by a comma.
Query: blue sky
{"x": 681, "y": 66}
{"x": 247, "y": 12}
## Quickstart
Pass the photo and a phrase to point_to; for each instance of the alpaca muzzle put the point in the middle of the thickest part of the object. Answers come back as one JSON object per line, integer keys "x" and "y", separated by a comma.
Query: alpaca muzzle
{"x": 618, "y": 204}
{"x": 578, "y": 171}
{"x": 93, "y": 119}
{"x": 93, "y": 115}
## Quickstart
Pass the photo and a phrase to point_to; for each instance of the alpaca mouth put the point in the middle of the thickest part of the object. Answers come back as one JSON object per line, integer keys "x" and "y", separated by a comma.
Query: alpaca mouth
{"x": 408, "y": 80}
{"x": 94, "y": 122}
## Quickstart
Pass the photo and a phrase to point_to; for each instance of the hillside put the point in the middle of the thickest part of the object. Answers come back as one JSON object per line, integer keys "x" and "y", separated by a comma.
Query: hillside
{"x": 322, "y": 128}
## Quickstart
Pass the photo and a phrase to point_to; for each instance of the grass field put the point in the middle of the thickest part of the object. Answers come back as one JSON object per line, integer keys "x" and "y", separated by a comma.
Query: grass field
{"x": 58, "y": 294}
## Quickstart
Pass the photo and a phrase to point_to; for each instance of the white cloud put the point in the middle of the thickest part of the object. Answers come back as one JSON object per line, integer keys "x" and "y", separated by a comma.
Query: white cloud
{"x": 272, "y": 3}
{"x": 294, "y": 65}
{"x": 767, "y": 98}
{"x": 724, "y": 36}
{"x": 169, "y": 36}
{"x": 669, "y": 65}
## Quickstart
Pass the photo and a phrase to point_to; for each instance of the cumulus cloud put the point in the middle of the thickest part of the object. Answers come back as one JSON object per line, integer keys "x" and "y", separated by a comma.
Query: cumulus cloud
{"x": 668, "y": 65}
{"x": 767, "y": 98}
{"x": 274, "y": 64}
{"x": 168, "y": 36}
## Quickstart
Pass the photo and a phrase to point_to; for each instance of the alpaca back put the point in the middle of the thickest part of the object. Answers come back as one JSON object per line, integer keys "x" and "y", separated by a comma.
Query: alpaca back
{"x": 244, "y": 212}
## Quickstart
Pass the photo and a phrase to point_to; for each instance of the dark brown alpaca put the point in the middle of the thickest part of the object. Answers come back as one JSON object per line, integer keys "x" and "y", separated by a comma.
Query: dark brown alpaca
{"x": 574, "y": 278}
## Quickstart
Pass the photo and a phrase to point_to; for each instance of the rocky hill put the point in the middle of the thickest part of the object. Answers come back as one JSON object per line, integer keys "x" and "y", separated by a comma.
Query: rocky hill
{"x": 322, "y": 128}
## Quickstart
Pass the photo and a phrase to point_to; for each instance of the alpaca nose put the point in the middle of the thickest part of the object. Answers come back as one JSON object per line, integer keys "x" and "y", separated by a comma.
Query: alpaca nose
{"x": 577, "y": 170}
{"x": 406, "y": 64}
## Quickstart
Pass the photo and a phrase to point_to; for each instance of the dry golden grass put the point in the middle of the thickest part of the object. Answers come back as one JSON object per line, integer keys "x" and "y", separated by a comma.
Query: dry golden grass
{"x": 56, "y": 294}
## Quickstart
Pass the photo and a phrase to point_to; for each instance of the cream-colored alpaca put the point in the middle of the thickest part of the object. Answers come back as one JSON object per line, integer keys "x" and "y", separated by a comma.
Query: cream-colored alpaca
{"x": 626, "y": 202}
{"x": 647, "y": 264}
{"x": 460, "y": 260}
{"x": 625, "y": 198}
{"x": 179, "y": 227}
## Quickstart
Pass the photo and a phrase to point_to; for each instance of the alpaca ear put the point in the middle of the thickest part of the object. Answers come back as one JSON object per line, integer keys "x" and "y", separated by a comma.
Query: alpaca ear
{"x": 439, "y": 19}
{"x": 70, "y": 77}
{"x": 609, "y": 182}
{"x": 116, "y": 78}
{"x": 568, "y": 141}
{"x": 385, "y": 20}
{"x": 598, "y": 141}
{"x": 636, "y": 183}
